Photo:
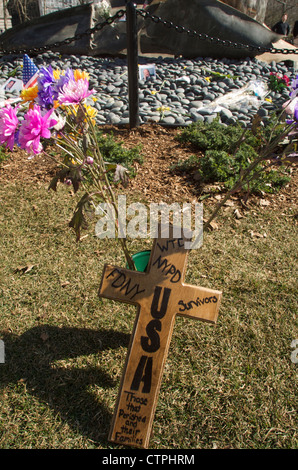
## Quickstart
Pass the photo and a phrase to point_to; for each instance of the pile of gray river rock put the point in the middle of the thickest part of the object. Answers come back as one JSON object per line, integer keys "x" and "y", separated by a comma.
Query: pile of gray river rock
{"x": 182, "y": 91}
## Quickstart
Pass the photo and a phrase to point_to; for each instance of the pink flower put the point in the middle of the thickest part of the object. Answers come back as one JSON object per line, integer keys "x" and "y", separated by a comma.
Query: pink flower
{"x": 89, "y": 160}
{"x": 291, "y": 106}
{"x": 8, "y": 126}
{"x": 33, "y": 128}
{"x": 74, "y": 92}
{"x": 286, "y": 80}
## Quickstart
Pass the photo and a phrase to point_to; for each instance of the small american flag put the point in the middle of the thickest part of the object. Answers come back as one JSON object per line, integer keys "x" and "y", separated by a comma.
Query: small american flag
{"x": 30, "y": 72}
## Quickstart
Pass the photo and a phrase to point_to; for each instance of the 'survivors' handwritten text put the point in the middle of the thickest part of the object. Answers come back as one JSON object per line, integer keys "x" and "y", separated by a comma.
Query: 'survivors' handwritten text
{"x": 196, "y": 303}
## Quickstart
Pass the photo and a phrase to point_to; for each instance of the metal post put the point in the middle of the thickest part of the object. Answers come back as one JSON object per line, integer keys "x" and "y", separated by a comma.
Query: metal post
{"x": 132, "y": 64}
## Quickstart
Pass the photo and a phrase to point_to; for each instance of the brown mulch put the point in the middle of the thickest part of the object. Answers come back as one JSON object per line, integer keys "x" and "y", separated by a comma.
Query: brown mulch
{"x": 154, "y": 178}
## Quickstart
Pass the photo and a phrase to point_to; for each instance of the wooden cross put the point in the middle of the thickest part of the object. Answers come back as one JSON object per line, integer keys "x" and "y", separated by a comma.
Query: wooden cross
{"x": 160, "y": 295}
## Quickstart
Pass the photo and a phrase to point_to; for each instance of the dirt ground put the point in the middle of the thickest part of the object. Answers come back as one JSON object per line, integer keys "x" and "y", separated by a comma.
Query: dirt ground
{"x": 154, "y": 178}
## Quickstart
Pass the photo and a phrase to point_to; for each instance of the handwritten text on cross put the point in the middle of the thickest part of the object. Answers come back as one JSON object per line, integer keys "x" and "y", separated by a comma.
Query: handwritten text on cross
{"x": 160, "y": 294}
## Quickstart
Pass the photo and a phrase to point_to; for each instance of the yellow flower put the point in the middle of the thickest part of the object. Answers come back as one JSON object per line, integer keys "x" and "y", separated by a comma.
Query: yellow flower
{"x": 80, "y": 75}
{"x": 153, "y": 92}
{"x": 56, "y": 74}
{"x": 208, "y": 79}
{"x": 29, "y": 94}
{"x": 91, "y": 112}
{"x": 269, "y": 100}
{"x": 163, "y": 108}
{"x": 88, "y": 110}
{"x": 69, "y": 159}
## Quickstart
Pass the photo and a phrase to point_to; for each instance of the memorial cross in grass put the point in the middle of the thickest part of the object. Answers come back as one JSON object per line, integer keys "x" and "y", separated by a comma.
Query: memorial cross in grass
{"x": 160, "y": 295}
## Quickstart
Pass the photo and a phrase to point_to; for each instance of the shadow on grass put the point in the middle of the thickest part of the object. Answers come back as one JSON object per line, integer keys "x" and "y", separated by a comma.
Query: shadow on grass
{"x": 30, "y": 358}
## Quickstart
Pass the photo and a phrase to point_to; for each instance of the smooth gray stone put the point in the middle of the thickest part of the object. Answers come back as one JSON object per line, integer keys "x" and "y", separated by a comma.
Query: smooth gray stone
{"x": 210, "y": 96}
{"x": 196, "y": 104}
{"x": 118, "y": 104}
{"x": 113, "y": 118}
{"x": 223, "y": 85}
{"x": 263, "y": 112}
{"x": 196, "y": 117}
{"x": 205, "y": 111}
{"x": 169, "y": 120}
{"x": 180, "y": 120}
{"x": 210, "y": 118}
{"x": 225, "y": 114}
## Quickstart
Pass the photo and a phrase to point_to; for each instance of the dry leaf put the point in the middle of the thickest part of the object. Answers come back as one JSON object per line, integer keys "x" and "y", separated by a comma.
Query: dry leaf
{"x": 64, "y": 284}
{"x": 237, "y": 214}
{"x": 98, "y": 252}
{"x": 256, "y": 235}
{"x": 264, "y": 202}
{"x": 213, "y": 226}
{"x": 22, "y": 380}
{"x": 24, "y": 269}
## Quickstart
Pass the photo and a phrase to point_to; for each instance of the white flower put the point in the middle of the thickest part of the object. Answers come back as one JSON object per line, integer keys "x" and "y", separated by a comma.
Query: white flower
{"x": 61, "y": 120}
{"x": 289, "y": 106}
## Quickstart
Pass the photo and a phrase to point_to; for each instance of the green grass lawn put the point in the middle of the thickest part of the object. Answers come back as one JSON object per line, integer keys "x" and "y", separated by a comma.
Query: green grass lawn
{"x": 232, "y": 385}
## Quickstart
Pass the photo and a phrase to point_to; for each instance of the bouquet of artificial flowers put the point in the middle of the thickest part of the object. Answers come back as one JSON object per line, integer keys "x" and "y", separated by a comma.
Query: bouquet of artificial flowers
{"x": 58, "y": 109}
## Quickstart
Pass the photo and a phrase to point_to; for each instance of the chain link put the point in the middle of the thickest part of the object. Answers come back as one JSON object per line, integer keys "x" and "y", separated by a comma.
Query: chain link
{"x": 41, "y": 49}
{"x": 204, "y": 37}
{"x": 156, "y": 19}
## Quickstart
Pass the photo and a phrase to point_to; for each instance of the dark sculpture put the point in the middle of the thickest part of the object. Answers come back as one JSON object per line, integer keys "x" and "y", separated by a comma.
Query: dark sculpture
{"x": 212, "y": 17}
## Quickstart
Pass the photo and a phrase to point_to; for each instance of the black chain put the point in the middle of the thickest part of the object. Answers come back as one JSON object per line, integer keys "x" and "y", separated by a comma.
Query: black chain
{"x": 88, "y": 32}
{"x": 204, "y": 37}
{"x": 156, "y": 19}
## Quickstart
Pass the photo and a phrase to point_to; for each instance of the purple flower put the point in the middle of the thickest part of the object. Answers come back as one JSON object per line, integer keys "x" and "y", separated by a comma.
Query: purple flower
{"x": 61, "y": 82}
{"x": 8, "y": 126}
{"x": 33, "y": 128}
{"x": 294, "y": 86}
{"x": 294, "y": 83}
{"x": 74, "y": 92}
{"x": 295, "y": 111}
{"x": 45, "y": 83}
